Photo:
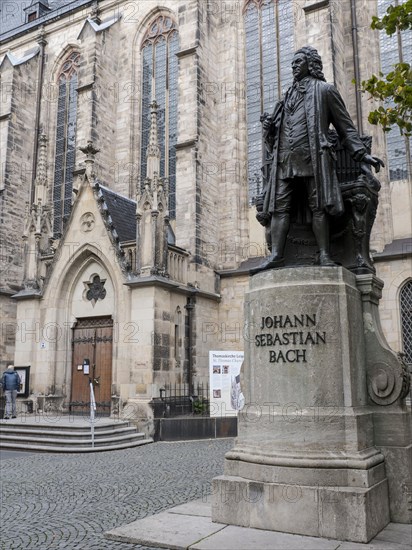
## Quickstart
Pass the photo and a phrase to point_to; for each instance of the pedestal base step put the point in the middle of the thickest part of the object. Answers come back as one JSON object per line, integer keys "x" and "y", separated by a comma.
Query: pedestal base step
{"x": 354, "y": 514}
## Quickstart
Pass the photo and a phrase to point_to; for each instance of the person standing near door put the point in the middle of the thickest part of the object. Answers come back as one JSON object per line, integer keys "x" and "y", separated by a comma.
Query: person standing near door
{"x": 11, "y": 385}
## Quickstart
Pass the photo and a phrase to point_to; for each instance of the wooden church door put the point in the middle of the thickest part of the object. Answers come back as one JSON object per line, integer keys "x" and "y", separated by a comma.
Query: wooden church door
{"x": 92, "y": 345}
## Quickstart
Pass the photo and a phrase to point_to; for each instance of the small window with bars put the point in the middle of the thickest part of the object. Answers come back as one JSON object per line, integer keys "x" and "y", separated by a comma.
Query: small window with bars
{"x": 159, "y": 81}
{"x": 406, "y": 320}
{"x": 65, "y": 154}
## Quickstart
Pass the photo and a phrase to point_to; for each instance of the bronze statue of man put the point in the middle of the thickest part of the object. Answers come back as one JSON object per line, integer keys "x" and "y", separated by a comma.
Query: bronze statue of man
{"x": 297, "y": 135}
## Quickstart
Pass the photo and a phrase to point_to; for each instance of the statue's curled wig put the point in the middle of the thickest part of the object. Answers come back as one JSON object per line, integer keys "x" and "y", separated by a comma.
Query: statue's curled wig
{"x": 314, "y": 62}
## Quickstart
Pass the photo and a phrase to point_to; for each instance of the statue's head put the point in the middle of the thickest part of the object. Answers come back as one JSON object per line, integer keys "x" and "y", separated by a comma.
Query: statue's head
{"x": 314, "y": 62}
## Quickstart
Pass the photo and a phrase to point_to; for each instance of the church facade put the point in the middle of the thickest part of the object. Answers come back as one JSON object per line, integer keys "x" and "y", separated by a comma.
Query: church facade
{"x": 130, "y": 168}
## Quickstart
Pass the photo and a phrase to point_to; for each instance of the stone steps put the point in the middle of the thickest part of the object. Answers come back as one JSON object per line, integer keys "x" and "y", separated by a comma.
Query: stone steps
{"x": 67, "y": 435}
{"x": 67, "y": 438}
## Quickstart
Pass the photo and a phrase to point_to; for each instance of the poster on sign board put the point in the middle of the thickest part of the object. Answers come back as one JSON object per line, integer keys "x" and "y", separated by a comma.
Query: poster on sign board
{"x": 226, "y": 397}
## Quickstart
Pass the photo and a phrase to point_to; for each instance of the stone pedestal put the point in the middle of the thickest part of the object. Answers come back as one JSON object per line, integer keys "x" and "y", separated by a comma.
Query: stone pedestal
{"x": 305, "y": 460}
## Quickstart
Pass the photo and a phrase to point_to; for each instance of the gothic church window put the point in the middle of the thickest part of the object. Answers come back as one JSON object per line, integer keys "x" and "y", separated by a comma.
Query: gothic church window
{"x": 65, "y": 141}
{"x": 406, "y": 320}
{"x": 269, "y": 48}
{"x": 394, "y": 49}
{"x": 159, "y": 81}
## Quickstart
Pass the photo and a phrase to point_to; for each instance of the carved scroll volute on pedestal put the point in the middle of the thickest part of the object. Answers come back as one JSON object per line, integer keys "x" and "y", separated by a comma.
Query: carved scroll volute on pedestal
{"x": 388, "y": 378}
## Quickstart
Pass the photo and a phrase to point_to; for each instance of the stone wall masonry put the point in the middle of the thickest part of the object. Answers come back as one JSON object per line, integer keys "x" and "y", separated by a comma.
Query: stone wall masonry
{"x": 104, "y": 114}
{"x": 141, "y": 360}
{"x": 202, "y": 120}
{"x": 230, "y": 99}
{"x": 205, "y": 337}
{"x": 5, "y": 115}
{"x": 88, "y": 97}
{"x": 8, "y": 327}
{"x": 169, "y": 366}
{"x": 127, "y": 99}
{"x": 185, "y": 187}
{"x": 207, "y": 217}
{"x": 348, "y": 56}
{"x": 18, "y": 168}
{"x": 341, "y": 69}
{"x": 319, "y": 35}
{"x": 178, "y": 348}
{"x": 127, "y": 102}
{"x": 401, "y": 206}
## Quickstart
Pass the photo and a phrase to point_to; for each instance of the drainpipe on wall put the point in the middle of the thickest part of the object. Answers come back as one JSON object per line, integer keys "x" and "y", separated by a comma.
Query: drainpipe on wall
{"x": 190, "y": 306}
{"x": 41, "y": 40}
{"x": 356, "y": 65}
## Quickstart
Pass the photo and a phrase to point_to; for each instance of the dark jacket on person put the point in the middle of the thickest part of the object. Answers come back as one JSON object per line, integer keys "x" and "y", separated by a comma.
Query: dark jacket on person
{"x": 10, "y": 381}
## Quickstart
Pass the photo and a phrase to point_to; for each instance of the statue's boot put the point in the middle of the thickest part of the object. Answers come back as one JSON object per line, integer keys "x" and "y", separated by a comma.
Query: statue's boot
{"x": 320, "y": 226}
{"x": 279, "y": 229}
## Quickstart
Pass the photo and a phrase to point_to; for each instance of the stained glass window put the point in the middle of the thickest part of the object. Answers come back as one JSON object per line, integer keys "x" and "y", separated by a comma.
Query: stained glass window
{"x": 65, "y": 154}
{"x": 394, "y": 49}
{"x": 159, "y": 81}
{"x": 269, "y": 51}
{"x": 406, "y": 320}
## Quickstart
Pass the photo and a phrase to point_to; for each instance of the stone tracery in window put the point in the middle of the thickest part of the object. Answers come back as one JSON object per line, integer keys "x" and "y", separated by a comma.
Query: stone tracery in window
{"x": 65, "y": 154}
{"x": 160, "y": 28}
{"x": 159, "y": 81}
{"x": 258, "y": 3}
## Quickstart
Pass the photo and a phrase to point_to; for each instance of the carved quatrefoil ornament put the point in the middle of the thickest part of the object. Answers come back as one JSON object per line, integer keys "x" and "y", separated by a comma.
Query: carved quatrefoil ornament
{"x": 87, "y": 222}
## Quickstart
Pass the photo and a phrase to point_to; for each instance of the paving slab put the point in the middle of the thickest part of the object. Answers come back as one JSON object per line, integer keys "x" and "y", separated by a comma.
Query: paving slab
{"x": 243, "y": 538}
{"x": 400, "y": 528}
{"x": 199, "y": 507}
{"x": 189, "y": 526}
{"x": 166, "y": 530}
{"x": 374, "y": 545}
{"x": 391, "y": 536}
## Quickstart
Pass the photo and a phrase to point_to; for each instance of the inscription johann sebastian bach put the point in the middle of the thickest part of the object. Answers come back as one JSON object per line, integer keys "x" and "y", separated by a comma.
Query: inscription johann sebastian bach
{"x": 290, "y": 346}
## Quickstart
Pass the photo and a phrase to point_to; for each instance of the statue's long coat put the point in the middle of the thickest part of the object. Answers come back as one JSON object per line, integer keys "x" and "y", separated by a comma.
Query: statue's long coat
{"x": 323, "y": 106}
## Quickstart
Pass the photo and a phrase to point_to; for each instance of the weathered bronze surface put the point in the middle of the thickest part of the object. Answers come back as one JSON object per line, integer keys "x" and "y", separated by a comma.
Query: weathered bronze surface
{"x": 319, "y": 195}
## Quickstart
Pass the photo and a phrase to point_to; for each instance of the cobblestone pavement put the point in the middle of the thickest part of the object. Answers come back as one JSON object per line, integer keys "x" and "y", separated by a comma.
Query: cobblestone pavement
{"x": 69, "y": 501}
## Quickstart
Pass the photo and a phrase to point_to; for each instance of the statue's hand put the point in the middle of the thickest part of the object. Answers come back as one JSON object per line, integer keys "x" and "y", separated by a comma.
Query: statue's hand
{"x": 263, "y": 218}
{"x": 373, "y": 161}
{"x": 266, "y": 124}
{"x": 266, "y": 121}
